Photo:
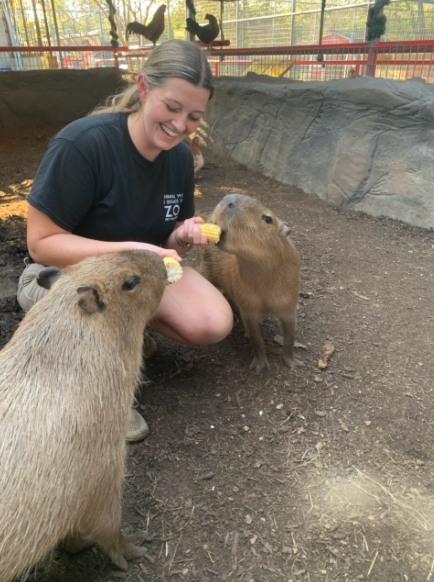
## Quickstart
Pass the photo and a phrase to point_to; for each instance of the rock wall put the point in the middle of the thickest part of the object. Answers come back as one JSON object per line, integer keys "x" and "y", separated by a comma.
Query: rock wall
{"x": 359, "y": 143}
{"x": 32, "y": 98}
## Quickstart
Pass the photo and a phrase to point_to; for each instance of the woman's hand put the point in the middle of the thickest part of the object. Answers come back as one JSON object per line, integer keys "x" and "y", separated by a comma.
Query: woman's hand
{"x": 189, "y": 232}
{"x": 156, "y": 249}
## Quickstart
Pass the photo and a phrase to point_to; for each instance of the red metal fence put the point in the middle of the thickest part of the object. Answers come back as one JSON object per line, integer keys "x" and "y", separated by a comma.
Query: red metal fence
{"x": 390, "y": 60}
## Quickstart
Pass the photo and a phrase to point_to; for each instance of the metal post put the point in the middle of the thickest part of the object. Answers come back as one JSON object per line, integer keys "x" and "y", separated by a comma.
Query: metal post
{"x": 222, "y": 36}
{"x": 56, "y": 28}
{"x": 38, "y": 30}
{"x": 46, "y": 22}
{"x": 321, "y": 23}
{"x": 24, "y": 22}
{"x": 294, "y": 8}
{"x": 238, "y": 24}
{"x": 189, "y": 14}
{"x": 169, "y": 20}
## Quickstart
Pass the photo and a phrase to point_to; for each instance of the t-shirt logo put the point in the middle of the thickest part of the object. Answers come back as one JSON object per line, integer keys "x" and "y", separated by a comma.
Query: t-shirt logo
{"x": 172, "y": 205}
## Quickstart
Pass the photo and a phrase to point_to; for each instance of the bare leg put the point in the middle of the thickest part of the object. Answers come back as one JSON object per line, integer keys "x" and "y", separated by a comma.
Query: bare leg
{"x": 288, "y": 328}
{"x": 193, "y": 311}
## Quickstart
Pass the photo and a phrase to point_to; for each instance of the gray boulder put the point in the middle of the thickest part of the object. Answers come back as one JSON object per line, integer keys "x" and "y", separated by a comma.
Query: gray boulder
{"x": 360, "y": 143}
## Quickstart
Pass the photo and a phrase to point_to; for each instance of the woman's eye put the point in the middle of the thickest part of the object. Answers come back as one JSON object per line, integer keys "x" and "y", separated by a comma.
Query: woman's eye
{"x": 171, "y": 109}
{"x": 194, "y": 119}
{"x": 130, "y": 283}
{"x": 268, "y": 219}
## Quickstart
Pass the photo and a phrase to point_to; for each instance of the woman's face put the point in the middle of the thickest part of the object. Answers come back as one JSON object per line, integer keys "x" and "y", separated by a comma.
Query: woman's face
{"x": 170, "y": 113}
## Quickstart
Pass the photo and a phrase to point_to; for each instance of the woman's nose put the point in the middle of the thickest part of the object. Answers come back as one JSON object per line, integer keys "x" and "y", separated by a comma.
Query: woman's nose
{"x": 180, "y": 123}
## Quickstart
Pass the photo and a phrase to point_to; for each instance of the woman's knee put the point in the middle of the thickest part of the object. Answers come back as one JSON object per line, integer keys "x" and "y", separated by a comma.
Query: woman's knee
{"x": 210, "y": 327}
{"x": 214, "y": 328}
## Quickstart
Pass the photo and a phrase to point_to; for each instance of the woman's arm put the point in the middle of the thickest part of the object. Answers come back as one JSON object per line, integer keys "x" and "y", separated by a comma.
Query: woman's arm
{"x": 49, "y": 244}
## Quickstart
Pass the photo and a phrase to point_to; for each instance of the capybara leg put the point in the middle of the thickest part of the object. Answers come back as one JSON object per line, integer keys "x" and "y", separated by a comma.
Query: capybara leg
{"x": 120, "y": 548}
{"x": 132, "y": 551}
{"x": 76, "y": 542}
{"x": 126, "y": 550}
{"x": 117, "y": 557}
{"x": 106, "y": 529}
{"x": 288, "y": 328}
{"x": 259, "y": 361}
{"x": 149, "y": 346}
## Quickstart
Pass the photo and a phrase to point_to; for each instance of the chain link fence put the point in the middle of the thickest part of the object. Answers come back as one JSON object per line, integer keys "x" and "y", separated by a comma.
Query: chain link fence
{"x": 249, "y": 24}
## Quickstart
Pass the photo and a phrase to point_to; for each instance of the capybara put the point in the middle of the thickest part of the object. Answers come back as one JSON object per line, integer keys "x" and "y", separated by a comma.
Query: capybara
{"x": 259, "y": 271}
{"x": 67, "y": 381}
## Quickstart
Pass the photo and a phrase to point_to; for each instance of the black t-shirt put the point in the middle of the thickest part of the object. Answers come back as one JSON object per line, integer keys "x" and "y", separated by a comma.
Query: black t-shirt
{"x": 93, "y": 182}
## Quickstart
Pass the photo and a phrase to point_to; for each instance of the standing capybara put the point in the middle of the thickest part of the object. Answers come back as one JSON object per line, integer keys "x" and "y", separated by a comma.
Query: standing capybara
{"x": 259, "y": 270}
{"x": 67, "y": 380}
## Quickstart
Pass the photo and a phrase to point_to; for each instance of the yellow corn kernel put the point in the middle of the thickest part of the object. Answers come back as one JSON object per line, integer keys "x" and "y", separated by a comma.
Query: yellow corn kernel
{"x": 212, "y": 231}
{"x": 173, "y": 268}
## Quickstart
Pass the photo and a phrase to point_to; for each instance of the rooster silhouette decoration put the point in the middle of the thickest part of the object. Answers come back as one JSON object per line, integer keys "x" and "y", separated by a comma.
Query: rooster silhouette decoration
{"x": 206, "y": 33}
{"x": 151, "y": 31}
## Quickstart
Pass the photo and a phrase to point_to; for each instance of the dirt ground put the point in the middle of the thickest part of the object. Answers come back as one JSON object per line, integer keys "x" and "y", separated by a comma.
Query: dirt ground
{"x": 313, "y": 475}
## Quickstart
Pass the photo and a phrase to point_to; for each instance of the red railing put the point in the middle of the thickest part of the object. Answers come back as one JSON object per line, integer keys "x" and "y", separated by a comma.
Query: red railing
{"x": 403, "y": 60}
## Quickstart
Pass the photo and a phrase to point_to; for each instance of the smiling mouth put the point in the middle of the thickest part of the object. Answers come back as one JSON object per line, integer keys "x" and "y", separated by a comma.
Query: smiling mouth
{"x": 168, "y": 131}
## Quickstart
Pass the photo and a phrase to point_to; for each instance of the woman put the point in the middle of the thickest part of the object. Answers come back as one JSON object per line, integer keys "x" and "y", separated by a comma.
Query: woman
{"x": 123, "y": 179}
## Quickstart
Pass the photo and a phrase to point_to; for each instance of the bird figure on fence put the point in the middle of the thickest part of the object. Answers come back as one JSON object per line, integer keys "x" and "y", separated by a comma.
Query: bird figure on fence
{"x": 376, "y": 23}
{"x": 151, "y": 31}
{"x": 206, "y": 33}
{"x": 190, "y": 7}
{"x": 114, "y": 41}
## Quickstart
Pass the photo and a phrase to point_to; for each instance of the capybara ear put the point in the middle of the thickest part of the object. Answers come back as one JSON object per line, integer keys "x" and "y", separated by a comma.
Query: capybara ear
{"x": 90, "y": 298}
{"x": 283, "y": 229}
{"x": 48, "y": 276}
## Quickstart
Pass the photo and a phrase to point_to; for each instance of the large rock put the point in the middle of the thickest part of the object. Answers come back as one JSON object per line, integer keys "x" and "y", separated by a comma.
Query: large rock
{"x": 32, "y": 98}
{"x": 359, "y": 143}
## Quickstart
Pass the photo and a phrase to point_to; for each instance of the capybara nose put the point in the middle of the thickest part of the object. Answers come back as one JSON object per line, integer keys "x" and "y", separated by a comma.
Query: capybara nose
{"x": 231, "y": 200}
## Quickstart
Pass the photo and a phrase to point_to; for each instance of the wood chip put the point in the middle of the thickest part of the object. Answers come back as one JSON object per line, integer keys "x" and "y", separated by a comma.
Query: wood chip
{"x": 343, "y": 426}
{"x": 267, "y": 548}
{"x": 208, "y": 476}
{"x": 300, "y": 346}
{"x": 235, "y": 544}
{"x": 327, "y": 351}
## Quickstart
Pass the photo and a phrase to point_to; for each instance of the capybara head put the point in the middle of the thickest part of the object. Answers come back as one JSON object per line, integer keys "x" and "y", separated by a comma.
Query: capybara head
{"x": 247, "y": 224}
{"x": 109, "y": 284}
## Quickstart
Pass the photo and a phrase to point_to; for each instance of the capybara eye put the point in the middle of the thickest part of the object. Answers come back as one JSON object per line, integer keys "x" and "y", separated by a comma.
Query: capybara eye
{"x": 268, "y": 219}
{"x": 131, "y": 283}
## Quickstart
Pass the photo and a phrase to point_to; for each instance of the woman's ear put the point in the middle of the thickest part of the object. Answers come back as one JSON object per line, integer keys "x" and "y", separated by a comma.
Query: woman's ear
{"x": 142, "y": 86}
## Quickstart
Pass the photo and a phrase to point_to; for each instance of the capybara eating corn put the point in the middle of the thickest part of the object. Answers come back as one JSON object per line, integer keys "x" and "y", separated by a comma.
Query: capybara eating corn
{"x": 67, "y": 380}
{"x": 259, "y": 270}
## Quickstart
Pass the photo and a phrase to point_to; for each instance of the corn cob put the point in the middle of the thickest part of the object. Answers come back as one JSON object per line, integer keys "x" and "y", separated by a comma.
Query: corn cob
{"x": 173, "y": 268}
{"x": 212, "y": 231}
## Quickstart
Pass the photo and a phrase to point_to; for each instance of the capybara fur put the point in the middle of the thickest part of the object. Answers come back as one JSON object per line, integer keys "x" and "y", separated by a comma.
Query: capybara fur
{"x": 257, "y": 267}
{"x": 67, "y": 382}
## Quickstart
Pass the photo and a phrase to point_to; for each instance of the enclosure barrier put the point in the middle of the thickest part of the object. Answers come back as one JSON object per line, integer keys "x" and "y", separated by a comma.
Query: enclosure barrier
{"x": 389, "y": 60}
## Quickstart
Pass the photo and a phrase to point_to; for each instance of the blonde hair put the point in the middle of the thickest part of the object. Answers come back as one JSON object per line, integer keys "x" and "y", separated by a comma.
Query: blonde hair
{"x": 173, "y": 58}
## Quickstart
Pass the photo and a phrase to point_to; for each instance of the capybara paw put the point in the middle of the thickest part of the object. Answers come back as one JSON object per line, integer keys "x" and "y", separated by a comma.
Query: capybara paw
{"x": 259, "y": 363}
{"x": 292, "y": 362}
{"x": 118, "y": 559}
{"x": 131, "y": 552}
